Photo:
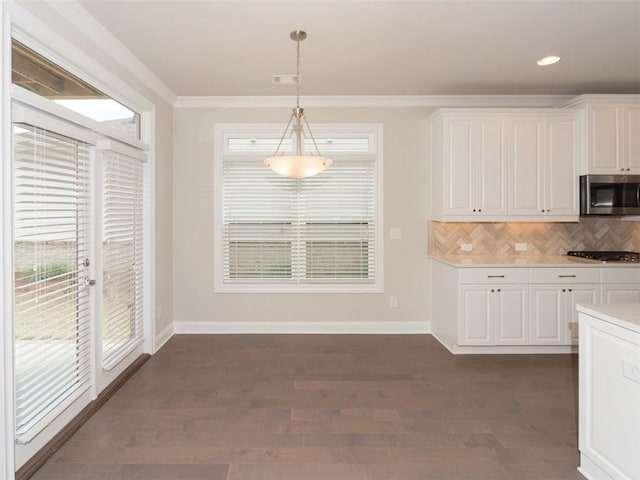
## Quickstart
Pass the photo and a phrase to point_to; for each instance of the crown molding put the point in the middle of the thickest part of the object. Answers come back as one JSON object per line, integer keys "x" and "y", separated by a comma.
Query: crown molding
{"x": 372, "y": 101}
{"x": 89, "y": 26}
{"x": 602, "y": 97}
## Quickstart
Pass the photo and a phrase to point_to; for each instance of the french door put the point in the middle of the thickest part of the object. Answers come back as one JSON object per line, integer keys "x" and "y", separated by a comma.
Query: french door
{"x": 52, "y": 306}
{"x": 78, "y": 310}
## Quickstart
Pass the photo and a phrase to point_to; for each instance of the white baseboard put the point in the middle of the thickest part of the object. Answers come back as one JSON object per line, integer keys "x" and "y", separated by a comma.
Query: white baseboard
{"x": 164, "y": 336}
{"x": 388, "y": 328}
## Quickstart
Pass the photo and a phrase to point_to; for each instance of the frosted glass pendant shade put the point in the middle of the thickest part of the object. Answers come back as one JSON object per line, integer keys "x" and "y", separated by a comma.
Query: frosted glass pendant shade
{"x": 298, "y": 166}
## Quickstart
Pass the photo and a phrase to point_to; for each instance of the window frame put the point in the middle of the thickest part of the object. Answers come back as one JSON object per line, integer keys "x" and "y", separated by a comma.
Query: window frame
{"x": 222, "y": 131}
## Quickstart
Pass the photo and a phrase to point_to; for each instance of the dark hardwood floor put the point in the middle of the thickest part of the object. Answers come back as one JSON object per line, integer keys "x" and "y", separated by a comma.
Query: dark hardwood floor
{"x": 337, "y": 407}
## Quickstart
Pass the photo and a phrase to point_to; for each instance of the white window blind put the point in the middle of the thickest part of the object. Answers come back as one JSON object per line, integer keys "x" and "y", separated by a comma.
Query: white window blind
{"x": 122, "y": 305}
{"x": 51, "y": 303}
{"x": 299, "y": 233}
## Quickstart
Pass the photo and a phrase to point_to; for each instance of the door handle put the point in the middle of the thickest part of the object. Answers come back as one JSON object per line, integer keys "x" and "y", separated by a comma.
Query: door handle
{"x": 89, "y": 282}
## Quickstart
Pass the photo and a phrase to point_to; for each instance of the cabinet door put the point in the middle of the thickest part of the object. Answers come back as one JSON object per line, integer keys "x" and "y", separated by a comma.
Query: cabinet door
{"x": 525, "y": 167}
{"x": 460, "y": 182}
{"x": 490, "y": 167}
{"x": 547, "y": 315}
{"x": 632, "y": 139}
{"x": 511, "y": 314}
{"x": 560, "y": 165}
{"x": 577, "y": 294}
{"x": 474, "y": 327}
{"x": 621, "y": 293}
{"x": 604, "y": 137}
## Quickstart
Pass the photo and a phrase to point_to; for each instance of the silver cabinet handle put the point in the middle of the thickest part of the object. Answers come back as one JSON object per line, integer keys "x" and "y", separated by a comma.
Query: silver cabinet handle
{"x": 495, "y": 276}
{"x": 566, "y": 276}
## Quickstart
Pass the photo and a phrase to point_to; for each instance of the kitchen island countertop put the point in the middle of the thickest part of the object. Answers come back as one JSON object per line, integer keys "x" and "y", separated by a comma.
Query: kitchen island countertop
{"x": 625, "y": 315}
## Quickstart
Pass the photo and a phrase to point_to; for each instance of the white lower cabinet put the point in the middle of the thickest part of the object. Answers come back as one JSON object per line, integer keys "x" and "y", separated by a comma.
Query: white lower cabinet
{"x": 553, "y": 312}
{"x": 621, "y": 285}
{"x": 621, "y": 293}
{"x": 493, "y": 315}
{"x": 509, "y": 308}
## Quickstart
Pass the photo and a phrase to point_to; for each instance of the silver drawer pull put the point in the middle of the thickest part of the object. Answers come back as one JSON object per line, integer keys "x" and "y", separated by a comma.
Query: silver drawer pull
{"x": 495, "y": 276}
{"x": 567, "y": 276}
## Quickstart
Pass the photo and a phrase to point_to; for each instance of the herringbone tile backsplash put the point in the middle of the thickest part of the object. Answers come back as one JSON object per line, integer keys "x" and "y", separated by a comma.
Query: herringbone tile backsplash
{"x": 598, "y": 233}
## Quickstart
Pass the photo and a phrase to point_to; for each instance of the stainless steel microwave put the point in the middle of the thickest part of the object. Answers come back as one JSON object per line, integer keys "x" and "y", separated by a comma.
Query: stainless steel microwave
{"x": 610, "y": 195}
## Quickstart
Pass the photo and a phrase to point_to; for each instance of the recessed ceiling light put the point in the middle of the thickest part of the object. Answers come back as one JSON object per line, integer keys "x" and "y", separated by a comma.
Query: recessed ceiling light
{"x": 550, "y": 60}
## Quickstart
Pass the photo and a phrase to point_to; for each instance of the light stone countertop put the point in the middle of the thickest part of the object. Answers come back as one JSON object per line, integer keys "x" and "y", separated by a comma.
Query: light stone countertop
{"x": 524, "y": 261}
{"x": 625, "y": 315}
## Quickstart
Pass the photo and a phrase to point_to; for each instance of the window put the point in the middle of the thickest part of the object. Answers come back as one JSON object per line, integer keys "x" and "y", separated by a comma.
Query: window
{"x": 32, "y": 71}
{"x": 279, "y": 234}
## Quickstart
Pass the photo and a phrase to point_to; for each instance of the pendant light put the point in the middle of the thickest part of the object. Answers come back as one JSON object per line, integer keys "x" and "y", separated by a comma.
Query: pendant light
{"x": 300, "y": 165}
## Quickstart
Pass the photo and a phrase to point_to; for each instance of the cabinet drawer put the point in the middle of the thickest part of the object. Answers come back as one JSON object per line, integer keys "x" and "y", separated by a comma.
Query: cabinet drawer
{"x": 621, "y": 275}
{"x": 494, "y": 275}
{"x": 565, "y": 275}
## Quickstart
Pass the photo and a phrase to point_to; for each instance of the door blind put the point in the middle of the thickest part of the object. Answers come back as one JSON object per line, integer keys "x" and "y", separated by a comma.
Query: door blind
{"x": 51, "y": 303}
{"x": 317, "y": 230}
{"x": 122, "y": 306}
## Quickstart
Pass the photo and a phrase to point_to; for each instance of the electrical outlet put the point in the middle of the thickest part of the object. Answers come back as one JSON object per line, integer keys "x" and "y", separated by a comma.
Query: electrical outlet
{"x": 631, "y": 371}
{"x": 466, "y": 247}
{"x": 393, "y": 302}
{"x": 521, "y": 247}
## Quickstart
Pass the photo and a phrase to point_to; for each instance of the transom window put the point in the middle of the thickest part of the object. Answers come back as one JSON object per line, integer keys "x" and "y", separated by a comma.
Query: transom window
{"x": 316, "y": 234}
{"x": 38, "y": 74}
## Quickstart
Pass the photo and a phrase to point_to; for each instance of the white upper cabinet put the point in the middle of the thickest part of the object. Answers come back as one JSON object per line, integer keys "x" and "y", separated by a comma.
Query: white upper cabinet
{"x": 526, "y": 170}
{"x": 543, "y": 179}
{"x": 631, "y": 115}
{"x": 504, "y": 165}
{"x": 611, "y": 134}
{"x": 472, "y": 182}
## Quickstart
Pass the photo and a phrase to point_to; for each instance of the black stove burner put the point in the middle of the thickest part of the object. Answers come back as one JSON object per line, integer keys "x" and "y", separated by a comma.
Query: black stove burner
{"x": 631, "y": 257}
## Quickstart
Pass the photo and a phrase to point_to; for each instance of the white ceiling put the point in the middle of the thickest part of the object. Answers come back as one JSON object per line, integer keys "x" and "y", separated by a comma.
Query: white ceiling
{"x": 395, "y": 47}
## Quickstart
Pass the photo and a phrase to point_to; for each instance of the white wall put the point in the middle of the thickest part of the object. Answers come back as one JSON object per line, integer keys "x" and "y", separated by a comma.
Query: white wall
{"x": 196, "y": 306}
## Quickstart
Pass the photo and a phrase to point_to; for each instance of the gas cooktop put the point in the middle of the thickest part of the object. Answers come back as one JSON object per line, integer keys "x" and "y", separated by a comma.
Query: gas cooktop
{"x": 607, "y": 256}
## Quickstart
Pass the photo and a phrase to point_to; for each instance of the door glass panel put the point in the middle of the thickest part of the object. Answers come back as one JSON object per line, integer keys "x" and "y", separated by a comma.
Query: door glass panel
{"x": 51, "y": 303}
{"x": 122, "y": 246}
